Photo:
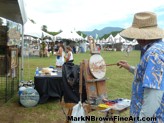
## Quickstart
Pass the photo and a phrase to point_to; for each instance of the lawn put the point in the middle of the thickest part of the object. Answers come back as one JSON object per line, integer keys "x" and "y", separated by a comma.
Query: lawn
{"x": 118, "y": 86}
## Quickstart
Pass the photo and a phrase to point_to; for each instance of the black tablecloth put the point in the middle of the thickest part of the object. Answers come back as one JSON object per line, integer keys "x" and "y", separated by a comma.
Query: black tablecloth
{"x": 49, "y": 86}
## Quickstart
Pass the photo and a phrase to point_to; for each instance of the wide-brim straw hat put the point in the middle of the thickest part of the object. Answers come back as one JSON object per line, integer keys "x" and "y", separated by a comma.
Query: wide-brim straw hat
{"x": 144, "y": 27}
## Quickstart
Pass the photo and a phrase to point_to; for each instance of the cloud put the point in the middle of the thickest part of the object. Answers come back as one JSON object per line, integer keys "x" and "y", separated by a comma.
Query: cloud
{"x": 87, "y": 14}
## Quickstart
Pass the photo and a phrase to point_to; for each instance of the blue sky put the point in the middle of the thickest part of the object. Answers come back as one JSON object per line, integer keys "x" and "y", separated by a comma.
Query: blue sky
{"x": 90, "y": 14}
{"x": 126, "y": 22}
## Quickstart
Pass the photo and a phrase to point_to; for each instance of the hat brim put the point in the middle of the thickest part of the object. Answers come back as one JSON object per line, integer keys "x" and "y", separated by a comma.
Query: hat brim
{"x": 148, "y": 33}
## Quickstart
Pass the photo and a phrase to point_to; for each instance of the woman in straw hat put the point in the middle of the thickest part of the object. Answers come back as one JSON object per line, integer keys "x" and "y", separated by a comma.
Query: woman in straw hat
{"x": 148, "y": 85}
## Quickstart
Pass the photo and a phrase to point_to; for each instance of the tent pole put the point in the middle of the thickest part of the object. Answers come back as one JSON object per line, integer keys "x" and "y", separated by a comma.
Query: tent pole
{"x": 22, "y": 54}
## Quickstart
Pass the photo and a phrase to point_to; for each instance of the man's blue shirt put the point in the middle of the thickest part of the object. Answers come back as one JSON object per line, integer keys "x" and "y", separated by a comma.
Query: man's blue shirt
{"x": 149, "y": 74}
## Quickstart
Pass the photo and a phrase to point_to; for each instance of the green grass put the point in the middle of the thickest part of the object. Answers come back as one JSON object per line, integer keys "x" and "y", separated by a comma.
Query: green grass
{"x": 118, "y": 86}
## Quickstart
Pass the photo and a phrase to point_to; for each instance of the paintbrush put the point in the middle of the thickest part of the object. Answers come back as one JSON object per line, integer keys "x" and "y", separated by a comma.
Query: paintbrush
{"x": 107, "y": 65}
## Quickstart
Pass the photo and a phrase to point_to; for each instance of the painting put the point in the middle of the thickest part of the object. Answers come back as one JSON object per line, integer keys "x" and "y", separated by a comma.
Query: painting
{"x": 14, "y": 57}
{"x": 13, "y": 33}
{"x": 97, "y": 66}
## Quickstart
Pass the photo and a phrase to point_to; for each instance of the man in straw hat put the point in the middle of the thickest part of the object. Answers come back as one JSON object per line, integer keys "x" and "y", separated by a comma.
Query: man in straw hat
{"x": 148, "y": 86}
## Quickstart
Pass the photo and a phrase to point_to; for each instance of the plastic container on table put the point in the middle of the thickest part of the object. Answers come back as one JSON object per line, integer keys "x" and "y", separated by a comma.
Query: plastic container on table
{"x": 37, "y": 72}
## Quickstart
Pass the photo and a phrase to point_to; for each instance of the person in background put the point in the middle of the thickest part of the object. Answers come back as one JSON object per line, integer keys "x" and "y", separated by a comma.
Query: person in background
{"x": 46, "y": 50}
{"x": 77, "y": 49}
{"x": 73, "y": 49}
{"x": 69, "y": 56}
{"x": 147, "y": 99}
{"x": 56, "y": 48}
{"x": 60, "y": 55}
{"x": 98, "y": 48}
{"x": 92, "y": 44}
{"x": 127, "y": 50}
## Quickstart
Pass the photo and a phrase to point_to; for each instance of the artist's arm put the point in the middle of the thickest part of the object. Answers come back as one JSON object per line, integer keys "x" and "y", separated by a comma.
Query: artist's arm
{"x": 67, "y": 57}
{"x": 151, "y": 102}
{"x": 125, "y": 65}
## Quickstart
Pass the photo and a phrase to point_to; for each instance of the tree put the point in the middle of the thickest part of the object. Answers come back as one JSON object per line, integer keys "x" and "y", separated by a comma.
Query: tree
{"x": 53, "y": 33}
{"x": 114, "y": 33}
{"x": 82, "y": 34}
{"x": 44, "y": 28}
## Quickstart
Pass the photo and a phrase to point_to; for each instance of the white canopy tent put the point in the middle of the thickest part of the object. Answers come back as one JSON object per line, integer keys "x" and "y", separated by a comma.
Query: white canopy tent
{"x": 76, "y": 36}
{"x": 104, "y": 40}
{"x": 71, "y": 35}
{"x": 64, "y": 35}
{"x": 119, "y": 39}
{"x": 34, "y": 30}
{"x": 86, "y": 38}
{"x": 45, "y": 34}
{"x": 133, "y": 43}
{"x": 110, "y": 39}
{"x": 98, "y": 41}
{"x": 14, "y": 10}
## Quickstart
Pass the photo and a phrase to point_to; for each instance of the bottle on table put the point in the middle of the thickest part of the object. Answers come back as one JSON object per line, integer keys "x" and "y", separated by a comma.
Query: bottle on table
{"x": 37, "y": 72}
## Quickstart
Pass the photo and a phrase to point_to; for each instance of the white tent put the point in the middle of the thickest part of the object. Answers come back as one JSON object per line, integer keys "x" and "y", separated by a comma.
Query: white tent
{"x": 110, "y": 39}
{"x": 45, "y": 34}
{"x": 76, "y": 36}
{"x": 127, "y": 42}
{"x": 98, "y": 41}
{"x": 71, "y": 35}
{"x": 64, "y": 35}
{"x": 86, "y": 38}
{"x": 104, "y": 40}
{"x": 133, "y": 43}
{"x": 118, "y": 39}
{"x": 32, "y": 29}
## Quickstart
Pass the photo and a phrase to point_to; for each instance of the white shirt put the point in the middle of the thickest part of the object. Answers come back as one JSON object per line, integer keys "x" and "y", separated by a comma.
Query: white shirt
{"x": 71, "y": 56}
{"x": 60, "y": 60}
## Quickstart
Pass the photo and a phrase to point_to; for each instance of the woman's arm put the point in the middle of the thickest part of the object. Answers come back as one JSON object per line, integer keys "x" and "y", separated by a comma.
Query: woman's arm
{"x": 59, "y": 53}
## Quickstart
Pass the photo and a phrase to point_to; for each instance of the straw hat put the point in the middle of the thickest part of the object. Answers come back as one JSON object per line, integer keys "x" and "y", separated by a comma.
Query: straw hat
{"x": 144, "y": 26}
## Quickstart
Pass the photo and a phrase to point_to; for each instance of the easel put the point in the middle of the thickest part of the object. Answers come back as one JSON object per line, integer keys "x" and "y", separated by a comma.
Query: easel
{"x": 95, "y": 89}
